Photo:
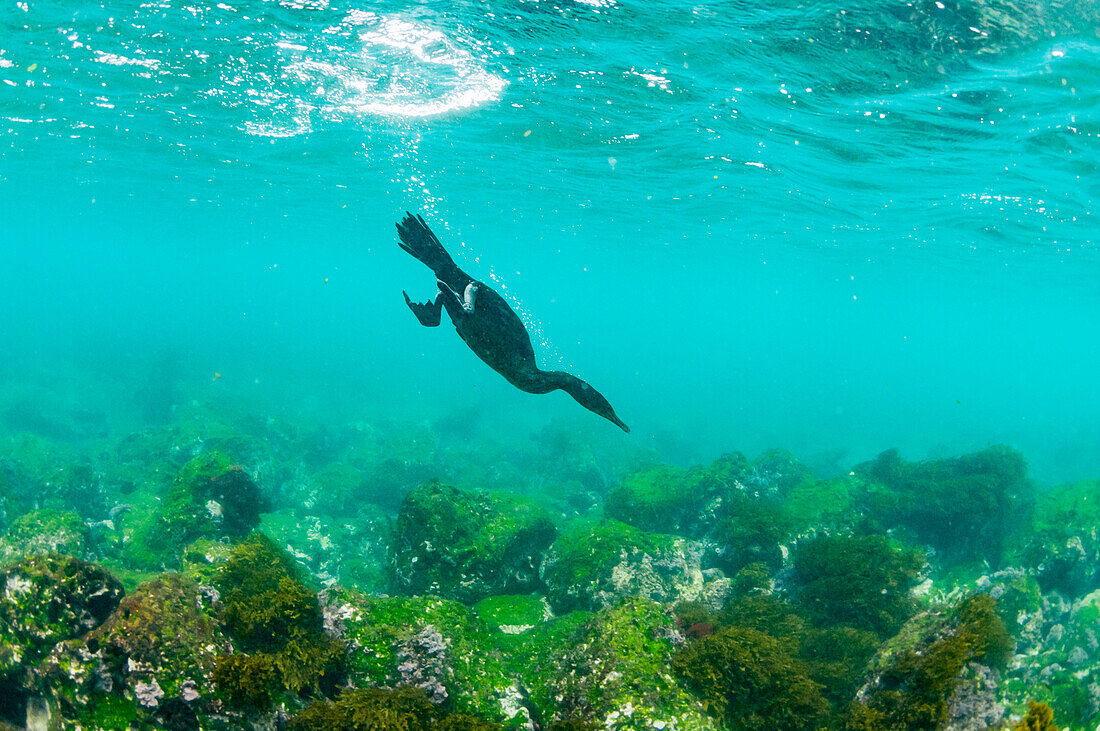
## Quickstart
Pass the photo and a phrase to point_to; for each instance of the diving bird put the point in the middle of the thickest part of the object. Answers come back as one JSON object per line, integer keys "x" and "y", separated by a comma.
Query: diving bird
{"x": 488, "y": 325}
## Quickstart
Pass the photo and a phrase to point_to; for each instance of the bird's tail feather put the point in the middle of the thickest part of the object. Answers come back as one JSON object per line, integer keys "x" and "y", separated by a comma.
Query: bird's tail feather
{"x": 418, "y": 240}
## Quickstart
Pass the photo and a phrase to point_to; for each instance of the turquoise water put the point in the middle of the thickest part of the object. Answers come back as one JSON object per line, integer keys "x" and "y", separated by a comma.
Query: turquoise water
{"x": 835, "y": 228}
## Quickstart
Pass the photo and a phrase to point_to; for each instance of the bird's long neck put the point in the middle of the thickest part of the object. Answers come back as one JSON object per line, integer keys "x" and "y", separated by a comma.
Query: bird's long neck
{"x": 547, "y": 381}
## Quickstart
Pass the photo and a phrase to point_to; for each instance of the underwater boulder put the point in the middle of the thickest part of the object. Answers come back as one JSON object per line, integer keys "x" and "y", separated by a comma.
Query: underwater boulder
{"x": 941, "y": 666}
{"x": 659, "y": 499}
{"x": 211, "y": 497}
{"x": 1064, "y": 544}
{"x": 151, "y": 662}
{"x": 736, "y": 504}
{"x": 858, "y": 581}
{"x": 468, "y": 545}
{"x": 593, "y": 566}
{"x": 613, "y": 672}
{"x": 45, "y": 600}
{"x": 436, "y": 645}
{"x": 44, "y": 531}
{"x": 964, "y": 507}
{"x": 665, "y": 499}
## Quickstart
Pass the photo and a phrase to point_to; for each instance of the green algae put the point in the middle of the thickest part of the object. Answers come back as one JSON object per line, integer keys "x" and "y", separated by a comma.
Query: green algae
{"x": 659, "y": 499}
{"x": 582, "y": 559}
{"x": 468, "y": 546}
{"x": 913, "y": 688}
{"x": 829, "y": 505}
{"x": 45, "y": 531}
{"x": 963, "y": 506}
{"x": 614, "y": 670}
{"x": 211, "y": 497}
{"x": 750, "y": 680}
{"x": 384, "y": 632}
{"x": 859, "y": 581}
{"x": 512, "y": 610}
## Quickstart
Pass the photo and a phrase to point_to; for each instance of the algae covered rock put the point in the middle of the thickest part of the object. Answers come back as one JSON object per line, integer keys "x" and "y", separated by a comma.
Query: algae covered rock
{"x": 666, "y": 499}
{"x": 594, "y": 566}
{"x": 962, "y": 506}
{"x": 859, "y": 581}
{"x": 44, "y": 531}
{"x": 210, "y": 498}
{"x": 45, "y": 600}
{"x": 1065, "y": 542}
{"x": 467, "y": 546}
{"x": 1059, "y": 653}
{"x": 434, "y": 644}
{"x": 511, "y": 662}
{"x": 942, "y": 666}
{"x": 49, "y": 598}
{"x": 152, "y": 660}
{"x": 613, "y": 671}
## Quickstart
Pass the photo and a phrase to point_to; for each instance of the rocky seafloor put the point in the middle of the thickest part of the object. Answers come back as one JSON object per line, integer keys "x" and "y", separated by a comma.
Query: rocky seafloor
{"x": 244, "y": 573}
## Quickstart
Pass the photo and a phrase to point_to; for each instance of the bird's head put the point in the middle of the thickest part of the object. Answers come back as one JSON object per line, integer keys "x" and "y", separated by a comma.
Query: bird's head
{"x": 594, "y": 401}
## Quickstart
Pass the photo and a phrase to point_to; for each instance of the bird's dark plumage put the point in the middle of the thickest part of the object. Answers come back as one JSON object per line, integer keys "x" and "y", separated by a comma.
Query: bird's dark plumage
{"x": 487, "y": 323}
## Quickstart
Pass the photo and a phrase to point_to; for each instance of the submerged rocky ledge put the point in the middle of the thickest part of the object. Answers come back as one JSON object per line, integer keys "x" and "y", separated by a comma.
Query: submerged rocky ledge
{"x": 311, "y": 580}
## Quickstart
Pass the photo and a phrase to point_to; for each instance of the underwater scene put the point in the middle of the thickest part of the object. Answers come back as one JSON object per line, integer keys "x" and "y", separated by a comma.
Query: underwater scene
{"x": 549, "y": 364}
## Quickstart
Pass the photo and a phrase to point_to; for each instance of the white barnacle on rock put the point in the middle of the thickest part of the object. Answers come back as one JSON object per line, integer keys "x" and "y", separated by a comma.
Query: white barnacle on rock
{"x": 188, "y": 691}
{"x": 214, "y": 508}
{"x": 335, "y": 613}
{"x": 148, "y": 694}
{"x": 515, "y": 629}
{"x": 423, "y": 662}
{"x": 17, "y": 585}
{"x": 512, "y": 705}
{"x": 921, "y": 589}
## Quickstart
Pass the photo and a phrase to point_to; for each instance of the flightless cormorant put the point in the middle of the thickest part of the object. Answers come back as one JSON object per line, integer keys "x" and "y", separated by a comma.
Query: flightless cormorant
{"x": 488, "y": 325}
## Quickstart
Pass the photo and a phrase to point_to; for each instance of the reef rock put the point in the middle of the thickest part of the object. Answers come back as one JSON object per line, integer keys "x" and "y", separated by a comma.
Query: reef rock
{"x": 593, "y": 567}
{"x": 45, "y": 600}
{"x": 44, "y": 531}
{"x": 468, "y": 546}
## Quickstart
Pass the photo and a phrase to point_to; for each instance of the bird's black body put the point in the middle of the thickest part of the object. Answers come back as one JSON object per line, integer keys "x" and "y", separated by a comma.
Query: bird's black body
{"x": 488, "y": 324}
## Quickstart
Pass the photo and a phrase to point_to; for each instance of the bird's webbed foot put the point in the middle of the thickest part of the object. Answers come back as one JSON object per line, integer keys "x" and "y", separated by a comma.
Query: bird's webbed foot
{"x": 466, "y": 301}
{"x": 429, "y": 313}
